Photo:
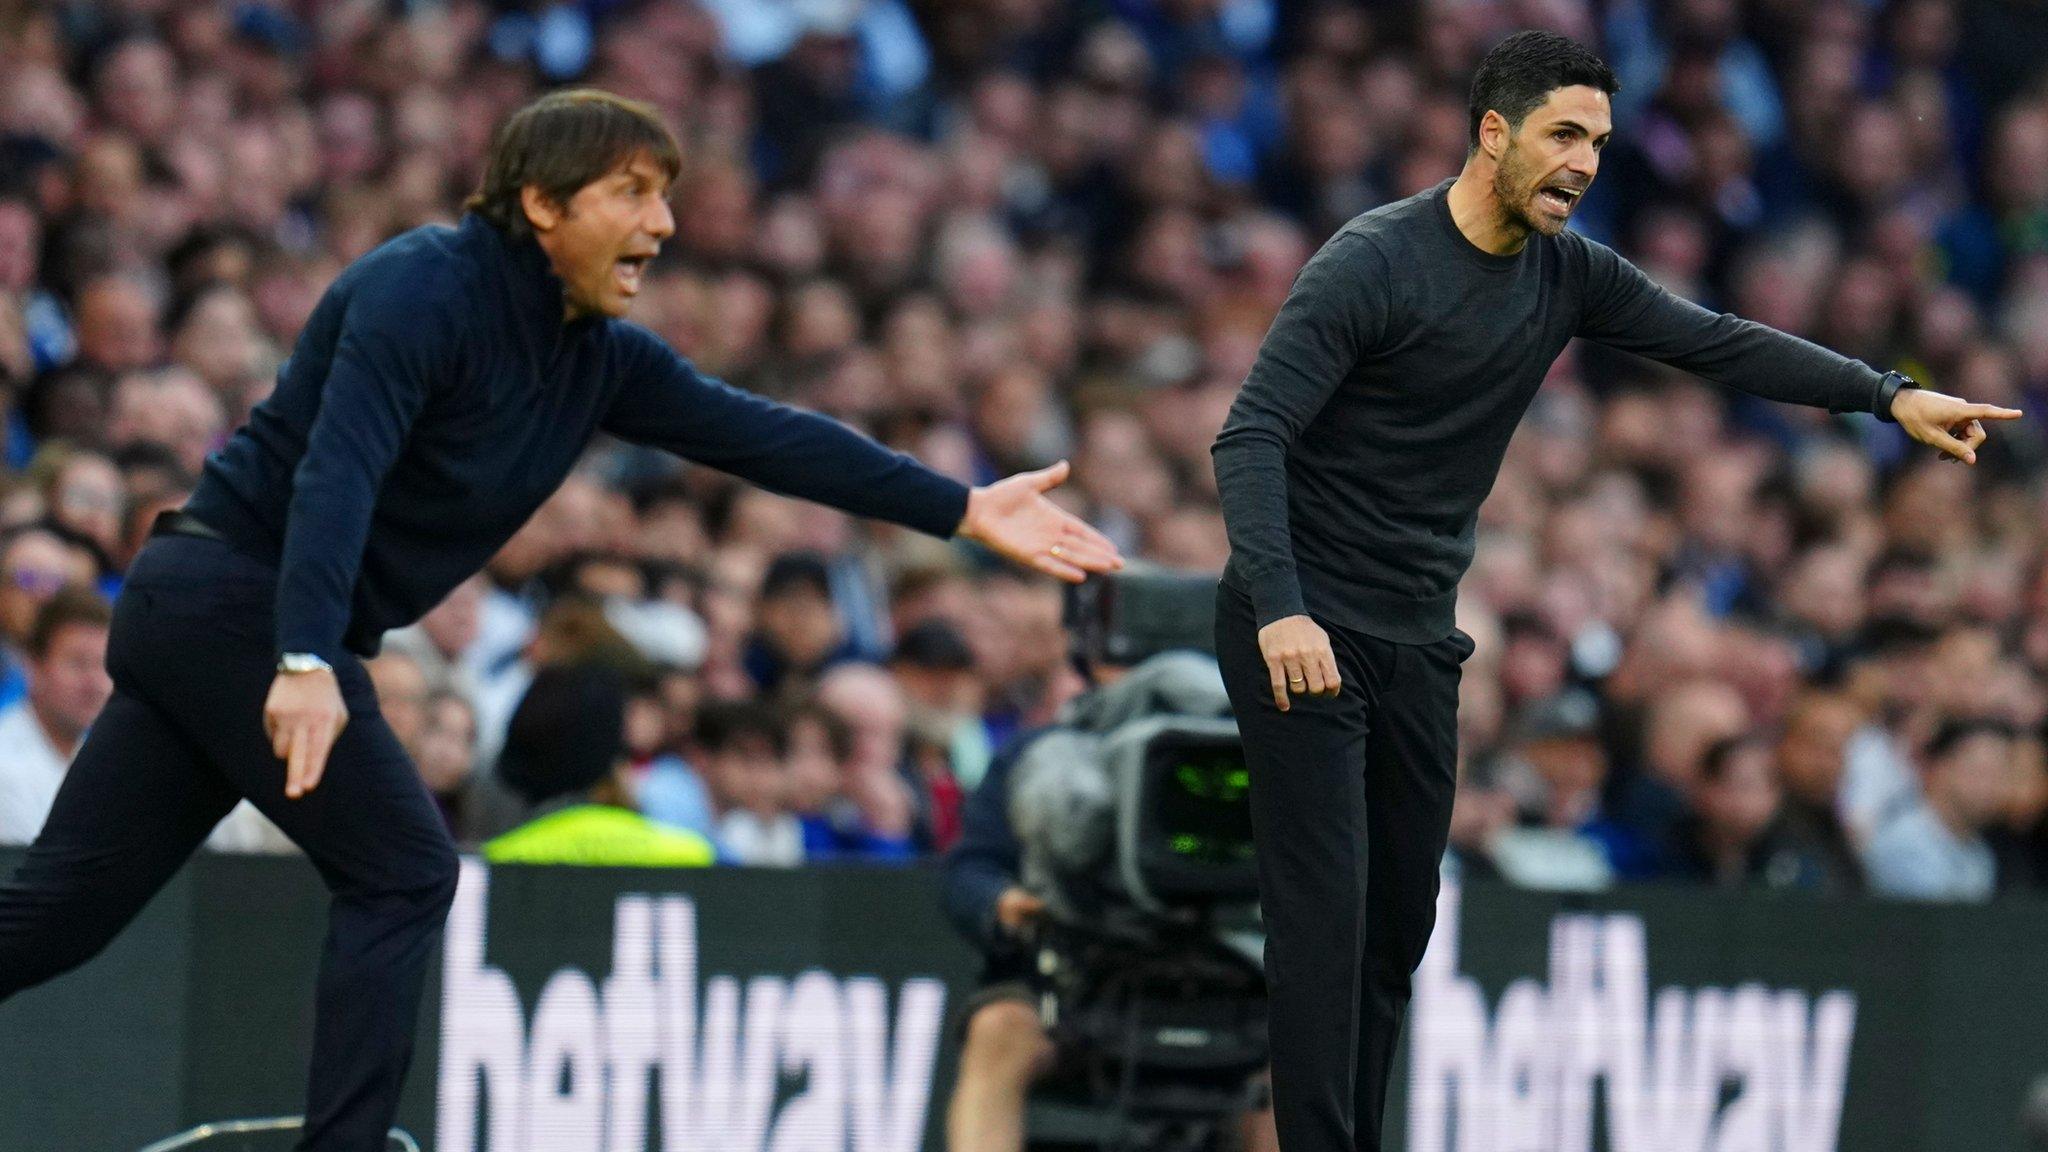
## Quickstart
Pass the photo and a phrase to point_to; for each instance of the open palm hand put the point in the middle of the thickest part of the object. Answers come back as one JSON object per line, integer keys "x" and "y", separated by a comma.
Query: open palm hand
{"x": 1013, "y": 518}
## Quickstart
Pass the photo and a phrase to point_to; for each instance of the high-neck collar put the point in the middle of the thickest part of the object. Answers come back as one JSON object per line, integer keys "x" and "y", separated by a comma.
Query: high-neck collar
{"x": 539, "y": 293}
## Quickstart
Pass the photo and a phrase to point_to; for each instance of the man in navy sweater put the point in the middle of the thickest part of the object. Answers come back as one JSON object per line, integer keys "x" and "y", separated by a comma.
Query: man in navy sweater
{"x": 443, "y": 388}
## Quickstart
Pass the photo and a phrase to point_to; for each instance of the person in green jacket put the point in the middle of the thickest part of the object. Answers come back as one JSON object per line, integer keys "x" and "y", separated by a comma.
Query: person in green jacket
{"x": 562, "y": 752}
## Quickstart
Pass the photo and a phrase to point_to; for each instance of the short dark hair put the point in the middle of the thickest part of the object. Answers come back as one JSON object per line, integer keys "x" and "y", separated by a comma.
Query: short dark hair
{"x": 1523, "y": 70}
{"x": 838, "y": 734}
{"x": 74, "y": 604}
{"x": 1720, "y": 755}
{"x": 797, "y": 571}
{"x": 1956, "y": 730}
{"x": 934, "y": 646}
{"x": 562, "y": 142}
{"x": 723, "y": 724}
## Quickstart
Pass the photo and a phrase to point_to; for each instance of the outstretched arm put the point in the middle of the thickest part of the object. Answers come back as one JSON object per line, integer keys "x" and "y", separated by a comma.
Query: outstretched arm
{"x": 666, "y": 403}
{"x": 1625, "y": 309}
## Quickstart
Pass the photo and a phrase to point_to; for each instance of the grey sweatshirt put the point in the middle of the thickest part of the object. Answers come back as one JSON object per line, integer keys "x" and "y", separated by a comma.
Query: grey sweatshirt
{"x": 1373, "y": 423}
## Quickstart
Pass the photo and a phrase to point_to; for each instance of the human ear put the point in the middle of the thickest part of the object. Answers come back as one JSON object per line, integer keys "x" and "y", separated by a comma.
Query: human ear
{"x": 541, "y": 212}
{"x": 1494, "y": 133}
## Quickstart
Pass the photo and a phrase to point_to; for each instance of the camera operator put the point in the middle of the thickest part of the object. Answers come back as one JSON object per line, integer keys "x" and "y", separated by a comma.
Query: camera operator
{"x": 1004, "y": 1047}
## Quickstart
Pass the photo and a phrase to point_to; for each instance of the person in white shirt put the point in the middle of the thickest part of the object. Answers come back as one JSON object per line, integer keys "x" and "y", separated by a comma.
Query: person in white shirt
{"x": 67, "y": 685}
{"x": 741, "y": 747}
{"x": 1935, "y": 849}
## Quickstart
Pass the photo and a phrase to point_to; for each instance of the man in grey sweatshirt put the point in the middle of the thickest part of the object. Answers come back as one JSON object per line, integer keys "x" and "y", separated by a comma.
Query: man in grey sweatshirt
{"x": 1351, "y": 470}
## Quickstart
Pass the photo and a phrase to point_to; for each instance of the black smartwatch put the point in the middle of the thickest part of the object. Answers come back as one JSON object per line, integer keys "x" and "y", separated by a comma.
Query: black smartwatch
{"x": 1888, "y": 390}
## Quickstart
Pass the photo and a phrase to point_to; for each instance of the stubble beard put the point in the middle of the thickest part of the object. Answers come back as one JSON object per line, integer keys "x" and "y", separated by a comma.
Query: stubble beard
{"x": 1515, "y": 186}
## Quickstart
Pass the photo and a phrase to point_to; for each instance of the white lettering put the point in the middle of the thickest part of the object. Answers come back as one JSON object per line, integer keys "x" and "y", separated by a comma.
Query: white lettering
{"x": 585, "y": 1074}
{"x": 891, "y": 1084}
{"x": 564, "y": 1077}
{"x": 1707, "y": 1071}
{"x": 483, "y": 1032}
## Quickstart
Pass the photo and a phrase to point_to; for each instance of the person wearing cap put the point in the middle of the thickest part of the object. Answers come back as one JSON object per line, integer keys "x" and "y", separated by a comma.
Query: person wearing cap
{"x": 563, "y": 752}
{"x": 945, "y": 699}
{"x": 443, "y": 387}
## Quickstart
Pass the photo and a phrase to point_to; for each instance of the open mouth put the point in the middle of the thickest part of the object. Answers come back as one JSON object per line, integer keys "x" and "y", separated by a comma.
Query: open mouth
{"x": 1560, "y": 200}
{"x": 629, "y": 269}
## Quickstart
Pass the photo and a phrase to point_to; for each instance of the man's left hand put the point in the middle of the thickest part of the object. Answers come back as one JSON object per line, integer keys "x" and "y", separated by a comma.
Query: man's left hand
{"x": 1953, "y": 425}
{"x": 1013, "y": 518}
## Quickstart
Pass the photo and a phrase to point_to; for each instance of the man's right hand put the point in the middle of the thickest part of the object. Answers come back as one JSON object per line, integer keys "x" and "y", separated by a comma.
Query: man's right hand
{"x": 302, "y": 716}
{"x": 1016, "y": 908}
{"x": 1298, "y": 659}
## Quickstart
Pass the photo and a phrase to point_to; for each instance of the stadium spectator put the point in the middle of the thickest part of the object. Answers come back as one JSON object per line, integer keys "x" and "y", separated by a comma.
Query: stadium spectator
{"x": 742, "y": 748}
{"x": 995, "y": 233}
{"x": 1936, "y": 849}
{"x": 444, "y": 644}
{"x": 801, "y": 634}
{"x": 820, "y": 748}
{"x": 564, "y": 754}
{"x": 1811, "y": 751}
{"x": 83, "y": 493}
{"x": 1683, "y": 722}
{"x": 35, "y": 564}
{"x": 402, "y": 690}
{"x": 67, "y": 684}
{"x": 871, "y": 705}
{"x": 670, "y": 788}
{"x": 1551, "y": 773}
{"x": 475, "y": 805}
{"x": 946, "y": 696}
{"x": 1738, "y": 838}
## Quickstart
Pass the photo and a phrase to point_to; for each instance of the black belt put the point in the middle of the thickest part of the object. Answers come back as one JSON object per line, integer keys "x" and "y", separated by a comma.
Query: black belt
{"x": 178, "y": 522}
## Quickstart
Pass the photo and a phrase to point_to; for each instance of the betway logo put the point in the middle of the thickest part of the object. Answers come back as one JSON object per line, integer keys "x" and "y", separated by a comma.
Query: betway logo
{"x": 1750, "y": 1069}
{"x": 585, "y": 1074}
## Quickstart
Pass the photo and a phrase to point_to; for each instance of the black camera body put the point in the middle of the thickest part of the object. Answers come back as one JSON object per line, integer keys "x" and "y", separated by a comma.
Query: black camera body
{"x": 1134, "y": 818}
{"x": 1148, "y": 967}
{"x": 1131, "y": 615}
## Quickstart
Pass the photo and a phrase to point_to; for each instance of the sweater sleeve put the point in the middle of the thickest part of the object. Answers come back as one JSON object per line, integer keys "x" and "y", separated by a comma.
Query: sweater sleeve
{"x": 390, "y": 352}
{"x": 1336, "y": 311}
{"x": 1625, "y": 309}
{"x": 664, "y": 402}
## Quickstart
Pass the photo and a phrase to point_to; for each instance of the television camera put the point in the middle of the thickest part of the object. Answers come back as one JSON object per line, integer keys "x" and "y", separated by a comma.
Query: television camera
{"x": 1134, "y": 817}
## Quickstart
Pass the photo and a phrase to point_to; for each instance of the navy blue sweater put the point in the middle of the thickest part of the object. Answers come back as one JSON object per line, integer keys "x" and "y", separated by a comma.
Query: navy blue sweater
{"x": 436, "y": 397}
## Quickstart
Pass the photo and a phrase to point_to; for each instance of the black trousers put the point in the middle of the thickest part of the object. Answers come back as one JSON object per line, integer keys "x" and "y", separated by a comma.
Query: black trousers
{"x": 179, "y": 742}
{"x": 1351, "y": 806}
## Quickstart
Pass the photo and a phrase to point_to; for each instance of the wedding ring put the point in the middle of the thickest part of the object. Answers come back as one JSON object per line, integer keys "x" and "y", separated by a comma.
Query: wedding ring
{"x": 1057, "y": 550}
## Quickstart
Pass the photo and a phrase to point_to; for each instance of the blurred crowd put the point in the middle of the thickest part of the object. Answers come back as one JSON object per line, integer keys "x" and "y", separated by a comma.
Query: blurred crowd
{"x": 1718, "y": 640}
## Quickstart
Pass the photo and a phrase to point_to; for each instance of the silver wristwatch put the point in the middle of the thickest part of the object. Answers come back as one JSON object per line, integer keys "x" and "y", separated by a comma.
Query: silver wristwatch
{"x": 296, "y": 662}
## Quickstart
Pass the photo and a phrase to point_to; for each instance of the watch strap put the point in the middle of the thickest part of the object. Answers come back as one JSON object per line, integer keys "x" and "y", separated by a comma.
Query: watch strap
{"x": 1887, "y": 391}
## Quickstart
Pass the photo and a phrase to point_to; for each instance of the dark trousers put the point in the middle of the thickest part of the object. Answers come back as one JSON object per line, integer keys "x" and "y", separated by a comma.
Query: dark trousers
{"x": 180, "y": 741}
{"x": 1351, "y": 805}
